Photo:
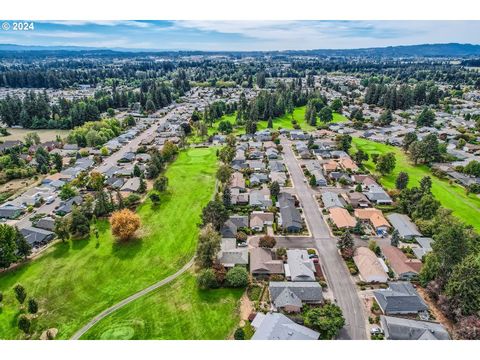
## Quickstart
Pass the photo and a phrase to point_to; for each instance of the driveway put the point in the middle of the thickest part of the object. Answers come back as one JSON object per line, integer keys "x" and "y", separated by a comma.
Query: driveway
{"x": 336, "y": 272}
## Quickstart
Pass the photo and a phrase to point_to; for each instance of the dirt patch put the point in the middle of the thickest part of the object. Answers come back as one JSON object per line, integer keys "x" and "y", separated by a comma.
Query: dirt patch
{"x": 246, "y": 308}
{"x": 439, "y": 316}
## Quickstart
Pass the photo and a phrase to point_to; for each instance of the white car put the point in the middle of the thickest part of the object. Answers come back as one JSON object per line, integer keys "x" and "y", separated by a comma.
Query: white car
{"x": 50, "y": 200}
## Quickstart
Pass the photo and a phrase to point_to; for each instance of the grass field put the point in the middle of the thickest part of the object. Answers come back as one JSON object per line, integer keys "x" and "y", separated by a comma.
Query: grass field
{"x": 45, "y": 134}
{"x": 285, "y": 121}
{"x": 466, "y": 207}
{"x": 76, "y": 280}
{"x": 177, "y": 311}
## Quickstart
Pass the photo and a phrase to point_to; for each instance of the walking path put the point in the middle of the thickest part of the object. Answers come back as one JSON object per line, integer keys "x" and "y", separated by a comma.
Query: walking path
{"x": 128, "y": 300}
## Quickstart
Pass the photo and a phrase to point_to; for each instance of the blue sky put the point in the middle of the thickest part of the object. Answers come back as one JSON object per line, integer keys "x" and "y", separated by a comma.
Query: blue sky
{"x": 243, "y": 35}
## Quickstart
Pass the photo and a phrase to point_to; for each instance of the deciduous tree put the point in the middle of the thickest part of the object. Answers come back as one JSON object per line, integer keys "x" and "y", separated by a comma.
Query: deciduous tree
{"x": 124, "y": 224}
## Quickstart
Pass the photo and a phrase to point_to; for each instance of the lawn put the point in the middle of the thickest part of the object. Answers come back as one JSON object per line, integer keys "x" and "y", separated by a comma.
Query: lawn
{"x": 177, "y": 311}
{"x": 285, "y": 121}
{"x": 466, "y": 207}
{"x": 44, "y": 134}
{"x": 76, "y": 280}
{"x": 212, "y": 130}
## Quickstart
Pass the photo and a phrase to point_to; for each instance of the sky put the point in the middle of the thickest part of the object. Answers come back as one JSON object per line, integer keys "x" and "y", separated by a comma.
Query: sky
{"x": 242, "y": 35}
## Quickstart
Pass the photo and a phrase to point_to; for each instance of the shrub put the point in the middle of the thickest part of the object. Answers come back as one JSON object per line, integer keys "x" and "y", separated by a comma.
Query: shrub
{"x": 239, "y": 334}
{"x": 207, "y": 279}
{"x": 267, "y": 241}
{"x": 32, "y": 306}
{"x": 237, "y": 277}
{"x": 24, "y": 323}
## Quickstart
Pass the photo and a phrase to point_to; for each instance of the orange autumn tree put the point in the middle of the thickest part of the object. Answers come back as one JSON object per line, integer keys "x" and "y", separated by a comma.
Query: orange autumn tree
{"x": 124, "y": 224}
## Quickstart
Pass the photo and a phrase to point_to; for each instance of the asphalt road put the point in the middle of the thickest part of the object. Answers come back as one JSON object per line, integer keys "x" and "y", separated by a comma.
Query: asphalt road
{"x": 336, "y": 272}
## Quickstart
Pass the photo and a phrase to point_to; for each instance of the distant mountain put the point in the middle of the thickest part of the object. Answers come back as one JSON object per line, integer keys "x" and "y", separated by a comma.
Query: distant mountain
{"x": 423, "y": 50}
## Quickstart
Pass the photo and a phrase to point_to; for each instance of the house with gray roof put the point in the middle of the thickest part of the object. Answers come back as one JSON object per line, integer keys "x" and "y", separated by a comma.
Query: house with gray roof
{"x": 290, "y": 296}
{"x": 425, "y": 246}
{"x": 299, "y": 266}
{"x": 399, "y": 298}
{"x": 330, "y": 199}
{"x": 276, "y": 326}
{"x": 260, "y": 198}
{"x": 36, "y": 236}
{"x": 231, "y": 255}
{"x": 290, "y": 218}
{"x": 231, "y": 226}
{"x": 131, "y": 185}
{"x": 405, "y": 227}
{"x": 407, "y": 329}
{"x": 66, "y": 207}
{"x": 46, "y": 223}
{"x": 377, "y": 195}
{"x": 276, "y": 166}
{"x": 10, "y": 211}
{"x": 258, "y": 178}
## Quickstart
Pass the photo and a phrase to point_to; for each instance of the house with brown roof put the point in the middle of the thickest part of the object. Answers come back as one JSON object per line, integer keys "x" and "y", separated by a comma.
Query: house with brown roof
{"x": 356, "y": 199}
{"x": 365, "y": 180}
{"x": 369, "y": 266}
{"x": 237, "y": 181}
{"x": 329, "y": 166}
{"x": 348, "y": 164}
{"x": 374, "y": 217}
{"x": 341, "y": 218}
{"x": 262, "y": 262}
{"x": 260, "y": 219}
{"x": 403, "y": 267}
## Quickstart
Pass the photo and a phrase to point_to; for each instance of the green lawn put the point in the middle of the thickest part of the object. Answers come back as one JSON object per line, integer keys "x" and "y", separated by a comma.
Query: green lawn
{"x": 76, "y": 280}
{"x": 281, "y": 122}
{"x": 465, "y": 207}
{"x": 177, "y": 311}
{"x": 285, "y": 121}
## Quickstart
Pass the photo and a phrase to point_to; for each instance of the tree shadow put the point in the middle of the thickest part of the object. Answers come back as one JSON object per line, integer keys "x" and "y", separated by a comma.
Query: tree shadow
{"x": 128, "y": 249}
{"x": 61, "y": 249}
{"x": 79, "y": 244}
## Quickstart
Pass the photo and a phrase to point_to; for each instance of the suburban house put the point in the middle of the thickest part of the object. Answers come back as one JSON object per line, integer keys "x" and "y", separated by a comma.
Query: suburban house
{"x": 131, "y": 185}
{"x": 330, "y": 199}
{"x": 237, "y": 182}
{"x": 405, "y": 227}
{"x": 36, "y": 236}
{"x": 276, "y": 326}
{"x": 260, "y": 198}
{"x": 356, "y": 199}
{"x": 260, "y": 219}
{"x": 66, "y": 207}
{"x": 46, "y": 223}
{"x": 375, "y": 218}
{"x": 396, "y": 328}
{"x": 290, "y": 296}
{"x": 329, "y": 166}
{"x": 348, "y": 164}
{"x": 231, "y": 255}
{"x": 425, "y": 246}
{"x": 399, "y": 298}
{"x": 231, "y": 226}
{"x": 290, "y": 218}
{"x": 403, "y": 267}
{"x": 10, "y": 211}
{"x": 299, "y": 266}
{"x": 377, "y": 195}
{"x": 369, "y": 266}
{"x": 279, "y": 177}
{"x": 262, "y": 262}
{"x": 341, "y": 218}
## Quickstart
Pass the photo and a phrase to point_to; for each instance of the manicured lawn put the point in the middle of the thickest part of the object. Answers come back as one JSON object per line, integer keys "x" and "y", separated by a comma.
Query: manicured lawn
{"x": 195, "y": 139}
{"x": 177, "y": 311}
{"x": 76, "y": 280}
{"x": 285, "y": 121}
{"x": 466, "y": 207}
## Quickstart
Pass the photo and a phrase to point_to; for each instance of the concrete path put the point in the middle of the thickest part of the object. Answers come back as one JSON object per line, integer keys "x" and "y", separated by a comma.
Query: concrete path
{"x": 128, "y": 300}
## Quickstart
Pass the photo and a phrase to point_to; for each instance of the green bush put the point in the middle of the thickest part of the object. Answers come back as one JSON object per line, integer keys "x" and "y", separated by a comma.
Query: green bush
{"x": 237, "y": 277}
{"x": 239, "y": 334}
{"x": 207, "y": 279}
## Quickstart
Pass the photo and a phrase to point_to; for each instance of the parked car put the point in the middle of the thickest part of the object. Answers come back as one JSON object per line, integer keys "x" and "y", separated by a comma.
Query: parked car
{"x": 376, "y": 331}
{"x": 50, "y": 200}
{"x": 242, "y": 244}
